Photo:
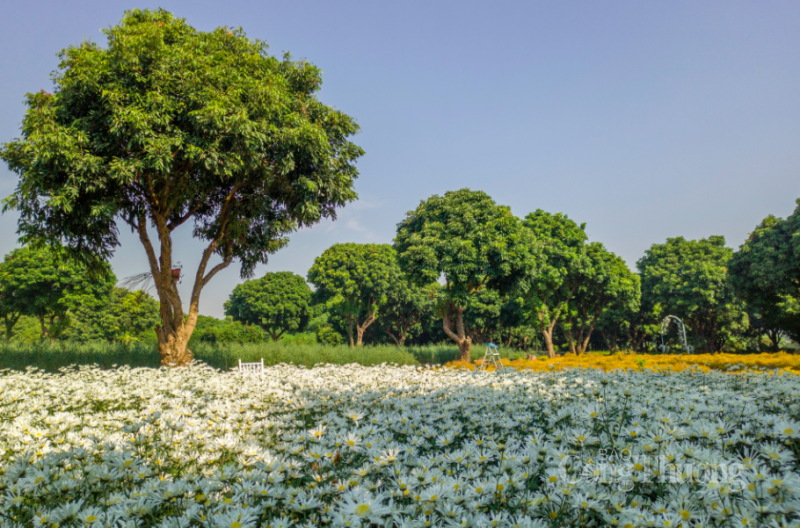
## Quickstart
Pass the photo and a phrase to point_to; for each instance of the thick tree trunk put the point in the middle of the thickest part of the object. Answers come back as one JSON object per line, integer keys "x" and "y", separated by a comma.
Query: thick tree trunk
{"x": 360, "y": 335}
{"x": 175, "y": 330}
{"x": 463, "y": 341}
{"x": 172, "y": 347}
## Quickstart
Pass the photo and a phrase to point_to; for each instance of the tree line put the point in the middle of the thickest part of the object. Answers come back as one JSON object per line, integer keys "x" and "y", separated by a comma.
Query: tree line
{"x": 167, "y": 127}
{"x": 461, "y": 268}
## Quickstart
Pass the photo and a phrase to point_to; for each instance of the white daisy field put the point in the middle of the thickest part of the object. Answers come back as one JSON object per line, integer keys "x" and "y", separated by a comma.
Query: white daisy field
{"x": 398, "y": 446}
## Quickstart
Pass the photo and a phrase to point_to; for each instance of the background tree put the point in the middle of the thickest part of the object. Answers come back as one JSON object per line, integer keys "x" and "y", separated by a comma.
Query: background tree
{"x": 45, "y": 285}
{"x": 123, "y": 316}
{"x": 472, "y": 243}
{"x": 278, "y": 302}
{"x": 628, "y": 325}
{"x": 406, "y": 307}
{"x": 166, "y": 125}
{"x": 766, "y": 275}
{"x": 604, "y": 283}
{"x": 555, "y": 276}
{"x": 688, "y": 278}
{"x": 354, "y": 281}
{"x": 10, "y": 310}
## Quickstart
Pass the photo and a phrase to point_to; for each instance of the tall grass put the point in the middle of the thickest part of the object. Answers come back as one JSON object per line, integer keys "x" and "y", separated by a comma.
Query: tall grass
{"x": 53, "y": 356}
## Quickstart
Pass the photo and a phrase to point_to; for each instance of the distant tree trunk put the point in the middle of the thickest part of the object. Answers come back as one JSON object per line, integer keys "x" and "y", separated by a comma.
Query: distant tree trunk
{"x": 361, "y": 328}
{"x": 635, "y": 338}
{"x": 463, "y": 341}
{"x": 43, "y": 325}
{"x": 350, "y": 332}
{"x": 611, "y": 338}
{"x": 10, "y": 322}
{"x": 775, "y": 339}
{"x": 548, "y": 340}
{"x": 547, "y": 332}
{"x": 399, "y": 339}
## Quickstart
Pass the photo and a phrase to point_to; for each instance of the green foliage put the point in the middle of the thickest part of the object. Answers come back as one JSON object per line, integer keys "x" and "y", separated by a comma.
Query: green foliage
{"x": 353, "y": 280}
{"x": 604, "y": 283}
{"x": 688, "y": 278}
{"x": 124, "y": 317}
{"x": 44, "y": 284}
{"x": 166, "y": 124}
{"x": 469, "y": 241}
{"x": 407, "y": 305}
{"x": 765, "y": 274}
{"x": 326, "y": 335}
{"x": 213, "y": 331}
{"x": 464, "y": 238}
{"x": 277, "y": 302}
{"x": 552, "y": 280}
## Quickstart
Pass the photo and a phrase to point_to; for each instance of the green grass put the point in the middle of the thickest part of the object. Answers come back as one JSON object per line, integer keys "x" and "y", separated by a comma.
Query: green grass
{"x": 51, "y": 357}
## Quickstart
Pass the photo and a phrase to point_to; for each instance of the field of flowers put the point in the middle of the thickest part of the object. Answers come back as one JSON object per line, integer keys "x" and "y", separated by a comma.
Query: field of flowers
{"x": 398, "y": 446}
{"x": 658, "y": 362}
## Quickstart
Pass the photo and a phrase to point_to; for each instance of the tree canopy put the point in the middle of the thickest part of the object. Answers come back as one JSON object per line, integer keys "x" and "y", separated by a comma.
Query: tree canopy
{"x": 765, "y": 273}
{"x": 278, "y": 302}
{"x": 166, "y": 125}
{"x": 43, "y": 284}
{"x": 354, "y": 281}
{"x": 555, "y": 276}
{"x": 471, "y": 243}
{"x": 688, "y": 278}
{"x": 603, "y": 283}
{"x": 407, "y": 305}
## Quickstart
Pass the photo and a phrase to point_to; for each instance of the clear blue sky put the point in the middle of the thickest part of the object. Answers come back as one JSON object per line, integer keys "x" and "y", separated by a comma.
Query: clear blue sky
{"x": 646, "y": 120}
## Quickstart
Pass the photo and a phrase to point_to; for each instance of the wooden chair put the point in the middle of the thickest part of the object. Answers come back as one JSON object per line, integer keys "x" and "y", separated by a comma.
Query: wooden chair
{"x": 255, "y": 368}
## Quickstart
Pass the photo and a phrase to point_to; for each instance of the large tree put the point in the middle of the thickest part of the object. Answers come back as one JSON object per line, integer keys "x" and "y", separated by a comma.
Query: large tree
{"x": 688, "y": 278}
{"x": 166, "y": 125}
{"x": 471, "y": 243}
{"x": 46, "y": 285}
{"x": 278, "y": 302}
{"x": 604, "y": 283}
{"x": 553, "y": 279}
{"x": 354, "y": 280}
{"x": 765, "y": 273}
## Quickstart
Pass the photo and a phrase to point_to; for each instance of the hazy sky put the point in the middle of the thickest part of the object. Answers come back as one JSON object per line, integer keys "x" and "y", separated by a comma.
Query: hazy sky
{"x": 646, "y": 120}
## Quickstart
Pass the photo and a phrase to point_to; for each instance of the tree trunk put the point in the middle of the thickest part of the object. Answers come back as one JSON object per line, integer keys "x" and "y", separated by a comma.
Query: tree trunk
{"x": 548, "y": 339}
{"x": 361, "y": 328}
{"x": 459, "y": 335}
{"x": 175, "y": 330}
{"x": 775, "y": 339}
{"x": 172, "y": 347}
{"x": 10, "y": 322}
{"x": 45, "y": 333}
{"x": 583, "y": 345}
{"x": 350, "y": 332}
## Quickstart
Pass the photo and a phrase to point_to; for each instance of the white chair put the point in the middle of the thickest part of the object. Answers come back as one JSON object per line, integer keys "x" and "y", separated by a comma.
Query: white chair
{"x": 255, "y": 368}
